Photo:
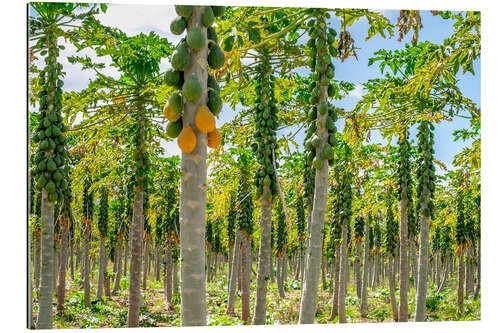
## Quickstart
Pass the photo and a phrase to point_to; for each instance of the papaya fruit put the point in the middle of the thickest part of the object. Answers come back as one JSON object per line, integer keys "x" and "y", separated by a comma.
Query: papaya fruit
{"x": 50, "y": 187}
{"x": 216, "y": 57}
{"x": 218, "y": 10}
{"x": 178, "y": 25}
{"x": 208, "y": 17}
{"x": 214, "y": 138}
{"x": 322, "y": 107}
{"x": 212, "y": 83}
{"x": 212, "y": 35}
{"x": 204, "y": 120}
{"x": 214, "y": 102}
{"x": 184, "y": 10}
{"x": 228, "y": 43}
{"x": 192, "y": 89}
{"x": 171, "y": 77}
{"x": 196, "y": 39}
{"x": 174, "y": 107}
{"x": 187, "y": 140}
{"x": 41, "y": 182}
{"x": 180, "y": 58}
{"x": 328, "y": 152}
{"x": 174, "y": 128}
{"x": 317, "y": 162}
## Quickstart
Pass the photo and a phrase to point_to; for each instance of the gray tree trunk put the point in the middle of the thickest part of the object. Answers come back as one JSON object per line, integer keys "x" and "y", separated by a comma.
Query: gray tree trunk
{"x": 103, "y": 261}
{"x": 469, "y": 277}
{"x": 30, "y": 286}
{"x": 87, "y": 225}
{"x": 176, "y": 277}
{"x": 285, "y": 269}
{"x": 209, "y": 264}
{"x": 193, "y": 194}
{"x": 233, "y": 281}
{"x": 263, "y": 270}
{"x": 279, "y": 276}
{"x": 36, "y": 261}
{"x": 344, "y": 267}
{"x": 323, "y": 272}
{"x": 47, "y": 264}
{"x": 461, "y": 277}
{"x": 478, "y": 282}
{"x": 245, "y": 276}
{"x": 414, "y": 259}
{"x": 404, "y": 278}
{"x": 335, "y": 303}
{"x": 444, "y": 278}
{"x": 423, "y": 263}
{"x": 230, "y": 267}
{"x": 375, "y": 271}
{"x": 168, "y": 274}
{"x": 392, "y": 287}
{"x": 364, "y": 285}
{"x": 145, "y": 270}
{"x": 118, "y": 260}
{"x": 125, "y": 256}
{"x": 157, "y": 262}
{"x": 62, "y": 265}
{"x": 357, "y": 269}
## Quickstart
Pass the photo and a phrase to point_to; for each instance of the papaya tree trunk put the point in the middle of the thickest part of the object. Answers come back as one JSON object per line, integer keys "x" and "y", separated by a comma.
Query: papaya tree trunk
{"x": 234, "y": 276}
{"x": 245, "y": 277}
{"x": 366, "y": 264}
{"x": 125, "y": 256}
{"x": 86, "y": 261}
{"x": 478, "y": 282}
{"x": 344, "y": 267}
{"x": 145, "y": 270}
{"x": 137, "y": 228}
{"x": 323, "y": 272}
{"x": 176, "y": 277}
{"x": 469, "y": 280}
{"x": 168, "y": 274}
{"x": 461, "y": 277}
{"x": 118, "y": 260}
{"x": 36, "y": 260}
{"x": 62, "y": 265}
{"x": 279, "y": 276}
{"x": 103, "y": 261}
{"x": 392, "y": 287}
{"x": 230, "y": 267}
{"x": 414, "y": 259}
{"x": 423, "y": 263}
{"x": 357, "y": 269}
{"x": 403, "y": 256}
{"x": 335, "y": 303}
{"x": 193, "y": 194}
{"x": 157, "y": 262}
{"x": 263, "y": 270}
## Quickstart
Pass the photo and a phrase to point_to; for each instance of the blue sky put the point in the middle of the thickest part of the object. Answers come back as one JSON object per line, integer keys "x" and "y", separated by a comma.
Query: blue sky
{"x": 133, "y": 19}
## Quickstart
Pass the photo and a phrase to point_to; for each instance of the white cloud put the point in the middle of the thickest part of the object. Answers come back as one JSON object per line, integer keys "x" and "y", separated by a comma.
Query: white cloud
{"x": 357, "y": 92}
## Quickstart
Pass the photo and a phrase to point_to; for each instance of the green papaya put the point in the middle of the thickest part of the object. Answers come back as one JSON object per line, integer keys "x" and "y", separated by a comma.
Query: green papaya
{"x": 180, "y": 58}
{"x": 317, "y": 162}
{"x": 216, "y": 58}
{"x": 174, "y": 129}
{"x": 323, "y": 107}
{"x": 192, "y": 89}
{"x": 315, "y": 141}
{"x": 328, "y": 152}
{"x": 196, "y": 39}
{"x": 178, "y": 25}
{"x": 41, "y": 182}
{"x": 50, "y": 187}
{"x": 267, "y": 181}
{"x": 214, "y": 102}
{"x": 51, "y": 165}
{"x": 171, "y": 77}
{"x": 184, "y": 10}
{"x": 208, "y": 17}
{"x": 330, "y": 124}
{"x": 212, "y": 35}
{"x": 212, "y": 83}
{"x": 218, "y": 10}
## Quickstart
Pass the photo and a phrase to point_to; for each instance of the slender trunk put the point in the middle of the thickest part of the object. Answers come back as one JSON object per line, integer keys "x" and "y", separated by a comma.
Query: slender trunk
{"x": 375, "y": 271}
{"x": 47, "y": 264}
{"x": 279, "y": 276}
{"x": 357, "y": 269}
{"x": 125, "y": 256}
{"x": 285, "y": 269}
{"x": 145, "y": 270}
{"x": 56, "y": 269}
{"x": 344, "y": 266}
{"x": 298, "y": 267}
{"x": 444, "y": 278}
{"x": 168, "y": 274}
{"x": 62, "y": 265}
{"x": 263, "y": 270}
{"x": 36, "y": 260}
{"x": 403, "y": 257}
{"x": 118, "y": 260}
{"x": 478, "y": 283}
{"x": 71, "y": 260}
{"x": 469, "y": 277}
{"x": 392, "y": 287}
{"x": 209, "y": 261}
{"x": 136, "y": 237}
{"x": 230, "y": 267}
{"x": 271, "y": 267}
{"x": 235, "y": 260}
{"x": 245, "y": 277}
{"x": 335, "y": 303}
{"x": 323, "y": 272}
{"x": 414, "y": 259}
{"x": 107, "y": 286}
{"x": 86, "y": 261}
{"x": 30, "y": 285}
{"x": 103, "y": 261}
{"x": 157, "y": 262}
{"x": 423, "y": 263}
{"x": 461, "y": 277}
{"x": 364, "y": 285}
{"x": 176, "y": 277}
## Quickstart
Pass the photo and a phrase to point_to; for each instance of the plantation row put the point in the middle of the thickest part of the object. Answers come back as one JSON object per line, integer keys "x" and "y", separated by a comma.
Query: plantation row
{"x": 327, "y": 222}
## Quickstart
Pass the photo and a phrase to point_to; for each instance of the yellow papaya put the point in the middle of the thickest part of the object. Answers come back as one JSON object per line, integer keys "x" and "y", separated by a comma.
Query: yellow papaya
{"x": 204, "y": 120}
{"x": 187, "y": 140}
{"x": 214, "y": 138}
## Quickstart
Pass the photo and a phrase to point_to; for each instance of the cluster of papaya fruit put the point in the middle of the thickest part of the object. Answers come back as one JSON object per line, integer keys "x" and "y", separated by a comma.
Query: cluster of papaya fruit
{"x": 190, "y": 88}
{"x": 51, "y": 153}
{"x": 426, "y": 170}
{"x": 344, "y": 198}
{"x": 391, "y": 228}
{"x": 244, "y": 214}
{"x": 281, "y": 232}
{"x": 321, "y": 48}
{"x": 404, "y": 167}
{"x": 266, "y": 123}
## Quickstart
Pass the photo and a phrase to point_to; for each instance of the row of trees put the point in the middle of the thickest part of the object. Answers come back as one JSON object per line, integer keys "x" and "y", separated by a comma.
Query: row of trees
{"x": 103, "y": 143}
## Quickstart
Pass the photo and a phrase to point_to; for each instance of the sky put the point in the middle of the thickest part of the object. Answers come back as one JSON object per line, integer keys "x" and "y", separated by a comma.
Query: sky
{"x": 134, "y": 19}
